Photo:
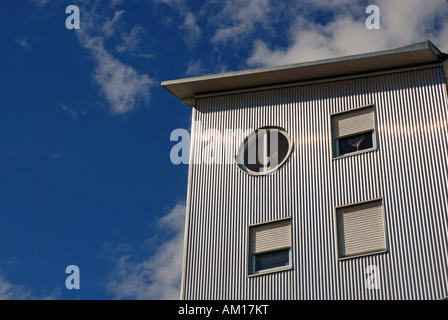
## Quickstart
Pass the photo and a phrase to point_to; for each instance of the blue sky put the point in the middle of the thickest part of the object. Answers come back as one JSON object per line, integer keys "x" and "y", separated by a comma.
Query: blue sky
{"x": 85, "y": 170}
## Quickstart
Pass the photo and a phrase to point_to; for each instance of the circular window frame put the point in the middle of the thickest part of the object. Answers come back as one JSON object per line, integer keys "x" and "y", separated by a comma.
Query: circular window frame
{"x": 239, "y": 158}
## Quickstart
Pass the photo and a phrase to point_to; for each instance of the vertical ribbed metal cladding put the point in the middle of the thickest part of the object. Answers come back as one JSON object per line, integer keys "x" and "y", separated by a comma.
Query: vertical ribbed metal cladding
{"x": 408, "y": 171}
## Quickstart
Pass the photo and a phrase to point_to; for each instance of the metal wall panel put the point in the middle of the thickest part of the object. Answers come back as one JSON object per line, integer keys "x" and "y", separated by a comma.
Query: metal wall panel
{"x": 408, "y": 171}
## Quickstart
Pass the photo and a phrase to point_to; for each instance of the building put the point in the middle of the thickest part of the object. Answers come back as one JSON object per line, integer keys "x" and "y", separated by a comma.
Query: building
{"x": 355, "y": 204}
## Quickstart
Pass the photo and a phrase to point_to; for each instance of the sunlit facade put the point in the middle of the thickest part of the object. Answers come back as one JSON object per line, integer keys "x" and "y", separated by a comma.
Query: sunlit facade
{"x": 349, "y": 203}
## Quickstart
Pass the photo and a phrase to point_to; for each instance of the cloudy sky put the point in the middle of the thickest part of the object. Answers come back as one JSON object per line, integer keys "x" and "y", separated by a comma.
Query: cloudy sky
{"x": 85, "y": 171}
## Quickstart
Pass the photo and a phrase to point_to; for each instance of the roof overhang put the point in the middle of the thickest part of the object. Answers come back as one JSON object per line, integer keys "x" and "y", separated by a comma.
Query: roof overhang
{"x": 413, "y": 55}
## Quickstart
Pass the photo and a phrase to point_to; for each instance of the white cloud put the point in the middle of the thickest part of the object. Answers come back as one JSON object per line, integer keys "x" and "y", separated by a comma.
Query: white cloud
{"x": 130, "y": 43}
{"x": 122, "y": 86}
{"x": 41, "y": 3}
{"x": 74, "y": 114}
{"x": 11, "y": 291}
{"x": 110, "y": 26}
{"x": 190, "y": 26}
{"x": 159, "y": 276}
{"x": 239, "y": 18}
{"x": 194, "y": 68}
{"x": 192, "y": 30}
{"x": 114, "y": 3}
{"x": 402, "y": 22}
{"x": 23, "y": 43}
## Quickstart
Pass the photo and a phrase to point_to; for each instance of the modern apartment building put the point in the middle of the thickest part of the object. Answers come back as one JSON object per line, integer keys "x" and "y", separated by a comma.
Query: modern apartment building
{"x": 336, "y": 186}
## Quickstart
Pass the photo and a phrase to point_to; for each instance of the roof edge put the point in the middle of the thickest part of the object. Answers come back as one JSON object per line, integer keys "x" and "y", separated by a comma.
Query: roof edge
{"x": 413, "y": 47}
{"x": 188, "y": 88}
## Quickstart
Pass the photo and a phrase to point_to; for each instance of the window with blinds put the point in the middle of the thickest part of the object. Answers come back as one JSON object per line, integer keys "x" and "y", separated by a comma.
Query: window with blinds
{"x": 270, "y": 246}
{"x": 361, "y": 229}
{"x": 353, "y": 131}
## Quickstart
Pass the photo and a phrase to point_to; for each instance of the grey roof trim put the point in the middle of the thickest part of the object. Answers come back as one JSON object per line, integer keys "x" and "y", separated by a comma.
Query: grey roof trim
{"x": 411, "y": 55}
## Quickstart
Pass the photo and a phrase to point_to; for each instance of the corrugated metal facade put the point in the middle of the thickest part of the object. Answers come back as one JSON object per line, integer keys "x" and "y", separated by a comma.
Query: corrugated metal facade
{"x": 408, "y": 172}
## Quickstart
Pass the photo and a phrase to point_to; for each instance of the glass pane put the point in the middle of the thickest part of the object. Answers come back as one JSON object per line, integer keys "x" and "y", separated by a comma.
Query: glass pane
{"x": 278, "y": 147}
{"x": 272, "y": 260}
{"x": 254, "y": 154}
{"x": 355, "y": 143}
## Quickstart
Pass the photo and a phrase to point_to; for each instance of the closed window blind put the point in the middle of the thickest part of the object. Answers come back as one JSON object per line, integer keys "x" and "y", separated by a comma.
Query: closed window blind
{"x": 270, "y": 237}
{"x": 353, "y": 122}
{"x": 361, "y": 229}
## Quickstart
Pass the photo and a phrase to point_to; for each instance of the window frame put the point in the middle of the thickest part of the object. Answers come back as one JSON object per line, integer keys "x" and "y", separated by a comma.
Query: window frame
{"x": 251, "y": 257}
{"x": 239, "y": 157}
{"x": 334, "y": 142}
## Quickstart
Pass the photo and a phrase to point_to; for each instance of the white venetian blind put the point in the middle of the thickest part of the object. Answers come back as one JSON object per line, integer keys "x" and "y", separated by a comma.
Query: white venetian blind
{"x": 353, "y": 122}
{"x": 270, "y": 236}
{"x": 361, "y": 229}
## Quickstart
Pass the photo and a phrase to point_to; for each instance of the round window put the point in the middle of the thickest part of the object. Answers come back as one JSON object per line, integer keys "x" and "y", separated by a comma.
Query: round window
{"x": 264, "y": 150}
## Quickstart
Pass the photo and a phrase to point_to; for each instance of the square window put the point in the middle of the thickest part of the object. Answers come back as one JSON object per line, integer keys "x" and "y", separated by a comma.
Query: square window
{"x": 270, "y": 246}
{"x": 361, "y": 229}
{"x": 353, "y": 131}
